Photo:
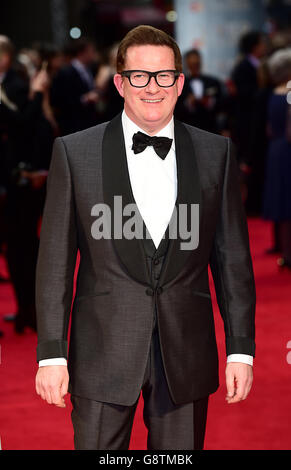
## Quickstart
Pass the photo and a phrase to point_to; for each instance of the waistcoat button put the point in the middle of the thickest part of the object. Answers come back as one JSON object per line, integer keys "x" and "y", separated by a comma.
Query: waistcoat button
{"x": 149, "y": 292}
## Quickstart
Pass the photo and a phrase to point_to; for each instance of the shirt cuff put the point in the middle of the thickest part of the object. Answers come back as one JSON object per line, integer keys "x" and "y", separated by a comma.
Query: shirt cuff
{"x": 56, "y": 361}
{"x": 244, "y": 358}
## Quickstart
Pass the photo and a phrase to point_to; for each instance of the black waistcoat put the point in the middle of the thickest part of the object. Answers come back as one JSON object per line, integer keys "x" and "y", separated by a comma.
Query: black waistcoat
{"x": 155, "y": 258}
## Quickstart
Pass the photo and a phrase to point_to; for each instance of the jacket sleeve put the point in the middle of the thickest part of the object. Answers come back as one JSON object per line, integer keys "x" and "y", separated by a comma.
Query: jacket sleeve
{"x": 231, "y": 265}
{"x": 56, "y": 259}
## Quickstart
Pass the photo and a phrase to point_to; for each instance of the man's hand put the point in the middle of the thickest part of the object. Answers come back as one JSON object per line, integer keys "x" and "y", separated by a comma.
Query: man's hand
{"x": 40, "y": 82}
{"x": 90, "y": 97}
{"x": 239, "y": 379}
{"x": 51, "y": 384}
{"x": 37, "y": 178}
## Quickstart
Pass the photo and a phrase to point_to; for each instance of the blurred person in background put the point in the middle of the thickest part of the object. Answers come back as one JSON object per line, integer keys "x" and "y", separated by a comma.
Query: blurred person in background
{"x": 25, "y": 174}
{"x": 3, "y": 192}
{"x": 68, "y": 52}
{"x": 110, "y": 102}
{"x": 201, "y": 98}
{"x": 4, "y": 59}
{"x": 277, "y": 194}
{"x": 46, "y": 127}
{"x": 245, "y": 79}
{"x": 245, "y": 84}
{"x": 258, "y": 148}
{"x": 73, "y": 94}
{"x": 49, "y": 55}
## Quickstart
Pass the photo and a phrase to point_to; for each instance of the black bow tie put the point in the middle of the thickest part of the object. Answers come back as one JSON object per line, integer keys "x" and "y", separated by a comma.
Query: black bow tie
{"x": 161, "y": 145}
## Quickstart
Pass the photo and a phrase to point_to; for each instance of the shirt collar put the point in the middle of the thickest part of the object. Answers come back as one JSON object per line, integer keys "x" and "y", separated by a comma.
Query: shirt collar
{"x": 130, "y": 128}
{"x": 78, "y": 64}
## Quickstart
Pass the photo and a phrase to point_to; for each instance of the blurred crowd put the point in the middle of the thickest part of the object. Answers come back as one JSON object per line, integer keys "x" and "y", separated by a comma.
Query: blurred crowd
{"x": 47, "y": 92}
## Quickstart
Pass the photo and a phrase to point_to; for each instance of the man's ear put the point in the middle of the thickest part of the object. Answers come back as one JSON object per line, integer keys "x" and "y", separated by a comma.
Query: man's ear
{"x": 118, "y": 82}
{"x": 180, "y": 80}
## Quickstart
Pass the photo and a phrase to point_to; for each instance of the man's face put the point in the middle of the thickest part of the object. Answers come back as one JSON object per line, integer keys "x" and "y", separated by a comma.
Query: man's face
{"x": 151, "y": 107}
{"x": 89, "y": 55}
{"x": 194, "y": 64}
{"x": 260, "y": 49}
{"x": 5, "y": 61}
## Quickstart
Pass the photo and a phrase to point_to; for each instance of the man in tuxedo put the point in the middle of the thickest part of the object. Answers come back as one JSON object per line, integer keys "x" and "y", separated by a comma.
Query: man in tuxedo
{"x": 142, "y": 316}
{"x": 245, "y": 78}
{"x": 202, "y": 95}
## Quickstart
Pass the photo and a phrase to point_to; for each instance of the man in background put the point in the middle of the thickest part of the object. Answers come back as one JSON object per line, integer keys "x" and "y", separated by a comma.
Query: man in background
{"x": 245, "y": 78}
{"x": 201, "y": 98}
{"x": 73, "y": 93}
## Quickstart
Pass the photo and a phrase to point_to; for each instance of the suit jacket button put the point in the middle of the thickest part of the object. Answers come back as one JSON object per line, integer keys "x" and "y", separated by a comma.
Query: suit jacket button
{"x": 159, "y": 290}
{"x": 149, "y": 292}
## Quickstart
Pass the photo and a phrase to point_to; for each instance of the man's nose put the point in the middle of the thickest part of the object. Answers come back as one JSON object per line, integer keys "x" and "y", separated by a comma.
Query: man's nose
{"x": 152, "y": 86}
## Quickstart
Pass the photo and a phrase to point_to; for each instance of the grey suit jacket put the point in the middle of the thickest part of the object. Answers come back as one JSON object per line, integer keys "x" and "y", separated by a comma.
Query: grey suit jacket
{"x": 112, "y": 313}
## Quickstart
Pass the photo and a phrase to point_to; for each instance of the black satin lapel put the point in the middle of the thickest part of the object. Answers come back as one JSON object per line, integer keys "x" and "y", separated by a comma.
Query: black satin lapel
{"x": 188, "y": 192}
{"x": 116, "y": 182}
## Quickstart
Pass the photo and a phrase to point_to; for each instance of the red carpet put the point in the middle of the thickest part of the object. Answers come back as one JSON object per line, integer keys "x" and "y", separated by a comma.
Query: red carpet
{"x": 260, "y": 422}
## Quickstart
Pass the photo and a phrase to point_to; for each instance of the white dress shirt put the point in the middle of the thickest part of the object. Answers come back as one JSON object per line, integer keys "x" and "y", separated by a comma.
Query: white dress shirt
{"x": 197, "y": 87}
{"x": 154, "y": 188}
{"x": 153, "y": 180}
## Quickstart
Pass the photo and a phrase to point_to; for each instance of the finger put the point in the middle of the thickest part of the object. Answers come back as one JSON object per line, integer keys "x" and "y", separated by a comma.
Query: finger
{"x": 62, "y": 404}
{"x": 244, "y": 386}
{"x": 247, "y": 389}
{"x": 240, "y": 391}
{"x": 64, "y": 388}
{"x": 37, "y": 387}
{"x": 42, "y": 391}
{"x": 58, "y": 393}
{"x": 235, "y": 399}
{"x": 48, "y": 396}
{"x": 64, "y": 391}
{"x": 45, "y": 393}
{"x": 56, "y": 396}
{"x": 230, "y": 384}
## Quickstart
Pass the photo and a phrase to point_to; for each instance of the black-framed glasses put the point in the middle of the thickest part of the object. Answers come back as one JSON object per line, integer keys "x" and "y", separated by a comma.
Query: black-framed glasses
{"x": 141, "y": 78}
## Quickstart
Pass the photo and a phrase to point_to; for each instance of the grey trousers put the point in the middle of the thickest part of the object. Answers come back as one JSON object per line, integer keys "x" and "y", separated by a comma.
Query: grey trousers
{"x": 104, "y": 426}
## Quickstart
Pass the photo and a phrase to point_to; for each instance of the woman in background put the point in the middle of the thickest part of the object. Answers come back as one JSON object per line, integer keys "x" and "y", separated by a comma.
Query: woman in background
{"x": 277, "y": 193}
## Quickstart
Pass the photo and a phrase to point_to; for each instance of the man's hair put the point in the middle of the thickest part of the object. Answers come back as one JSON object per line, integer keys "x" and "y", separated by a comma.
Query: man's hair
{"x": 192, "y": 52}
{"x": 46, "y": 50}
{"x": 279, "y": 65}
{"x": 6, "y": 46}
{"x": 144, "y": 35}
{"x": 78, "y": 46}
{"x": 249, "y": 41}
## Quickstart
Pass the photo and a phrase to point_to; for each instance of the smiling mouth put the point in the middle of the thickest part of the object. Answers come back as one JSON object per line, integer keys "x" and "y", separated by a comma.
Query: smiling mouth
{"x": 153, "y": 101}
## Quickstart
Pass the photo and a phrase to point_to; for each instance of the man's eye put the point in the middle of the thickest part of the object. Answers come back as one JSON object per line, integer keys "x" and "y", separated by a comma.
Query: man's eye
{"x": 139, "y": 75}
